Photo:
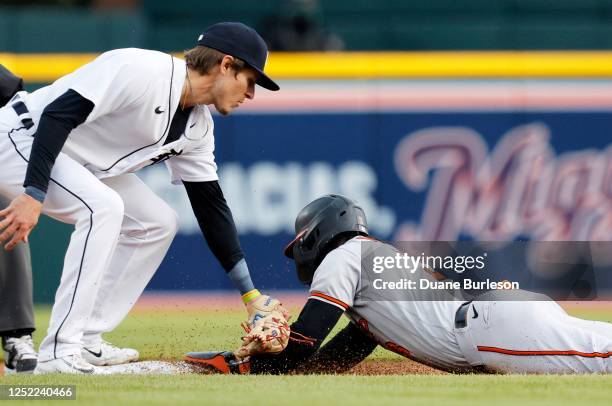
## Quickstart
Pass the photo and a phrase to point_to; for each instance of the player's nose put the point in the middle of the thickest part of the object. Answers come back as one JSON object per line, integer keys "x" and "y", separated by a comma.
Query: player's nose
{"x": 250, "y": 93}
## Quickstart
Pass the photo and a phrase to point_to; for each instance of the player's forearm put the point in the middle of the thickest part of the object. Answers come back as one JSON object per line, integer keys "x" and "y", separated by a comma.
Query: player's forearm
{"x": 56, "y": 122}
{"x": 347, "y": 349}
{"x": 287, "y": 361}
{"x": 217, "y": 224}
{"x": 241, "y": 277}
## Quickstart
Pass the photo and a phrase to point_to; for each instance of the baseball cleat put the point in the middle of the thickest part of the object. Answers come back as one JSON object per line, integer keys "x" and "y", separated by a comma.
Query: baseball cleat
{"x": 19, "y": 355}
{"x": 70, "y": 364}
{"x": 224, "y": 362}
{"x": 108, "y": 354}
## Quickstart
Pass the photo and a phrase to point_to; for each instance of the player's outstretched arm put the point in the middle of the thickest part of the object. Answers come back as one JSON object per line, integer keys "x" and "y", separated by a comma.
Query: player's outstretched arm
{"x": 217, "y": 224}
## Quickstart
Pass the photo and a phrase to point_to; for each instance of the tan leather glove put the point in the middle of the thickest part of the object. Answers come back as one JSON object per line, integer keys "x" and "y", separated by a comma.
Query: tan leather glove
{"x": 269, "y": 334}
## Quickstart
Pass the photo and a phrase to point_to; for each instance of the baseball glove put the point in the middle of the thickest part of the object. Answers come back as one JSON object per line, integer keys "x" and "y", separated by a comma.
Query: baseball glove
{"x": 269, "y": 334}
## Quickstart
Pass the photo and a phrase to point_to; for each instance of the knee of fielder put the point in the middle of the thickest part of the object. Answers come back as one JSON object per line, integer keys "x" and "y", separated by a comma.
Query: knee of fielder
{"x": 109, "y": 210}
{"x": 168, "y": 223}
{"x": 171, "y": 223}
{"x": 164, "y": 227}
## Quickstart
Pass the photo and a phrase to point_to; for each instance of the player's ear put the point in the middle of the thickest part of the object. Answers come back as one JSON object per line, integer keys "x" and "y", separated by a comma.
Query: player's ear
{"x": 226, "y": 64}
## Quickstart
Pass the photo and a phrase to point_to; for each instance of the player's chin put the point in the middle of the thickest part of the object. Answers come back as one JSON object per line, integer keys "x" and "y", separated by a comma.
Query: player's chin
{"x": 224, "y": 111}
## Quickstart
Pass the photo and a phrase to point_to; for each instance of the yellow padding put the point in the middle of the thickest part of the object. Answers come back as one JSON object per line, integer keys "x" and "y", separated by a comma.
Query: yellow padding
{"x": 43, "y": 67}
{"x": 372, "y": 65}
{"x": 441, "y": 65}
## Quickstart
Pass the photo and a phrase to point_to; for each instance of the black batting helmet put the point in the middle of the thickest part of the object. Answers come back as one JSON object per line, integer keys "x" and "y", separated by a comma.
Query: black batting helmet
{"x": 318, "y": 226}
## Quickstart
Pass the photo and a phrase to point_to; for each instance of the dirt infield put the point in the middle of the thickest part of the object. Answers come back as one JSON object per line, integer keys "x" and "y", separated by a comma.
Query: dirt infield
{"x": 366, "y": 368}
{"x": 393, "y": 367}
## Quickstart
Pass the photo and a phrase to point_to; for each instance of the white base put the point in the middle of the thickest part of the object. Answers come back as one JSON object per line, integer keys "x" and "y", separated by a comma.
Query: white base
{"x": 150, "y": 368}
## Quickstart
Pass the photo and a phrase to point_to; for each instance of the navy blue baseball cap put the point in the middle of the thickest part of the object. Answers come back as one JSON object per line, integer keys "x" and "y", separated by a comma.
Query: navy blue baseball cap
{"x": 240, "y": 41}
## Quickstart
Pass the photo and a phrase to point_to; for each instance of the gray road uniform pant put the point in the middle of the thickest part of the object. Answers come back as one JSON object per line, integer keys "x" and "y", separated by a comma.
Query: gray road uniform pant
{"x": 16, "y": 309}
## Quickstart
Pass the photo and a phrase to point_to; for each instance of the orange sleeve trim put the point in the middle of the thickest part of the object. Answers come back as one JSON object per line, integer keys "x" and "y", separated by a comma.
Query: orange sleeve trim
{"x": 331, "y": 299}
{"x": 546, "y": 352}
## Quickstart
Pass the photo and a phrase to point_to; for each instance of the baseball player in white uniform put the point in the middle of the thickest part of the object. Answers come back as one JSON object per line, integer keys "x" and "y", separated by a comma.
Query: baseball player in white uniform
{"x": 69, "y": 150}
{"x": 508, "y": 331}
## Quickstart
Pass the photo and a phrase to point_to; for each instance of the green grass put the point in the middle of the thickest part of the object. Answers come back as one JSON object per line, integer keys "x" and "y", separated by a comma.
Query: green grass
{"x": 167, "y": 335}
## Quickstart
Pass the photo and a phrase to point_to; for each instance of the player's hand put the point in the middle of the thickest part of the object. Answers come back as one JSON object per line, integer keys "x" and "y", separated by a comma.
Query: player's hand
{"x": 18, "y": 219}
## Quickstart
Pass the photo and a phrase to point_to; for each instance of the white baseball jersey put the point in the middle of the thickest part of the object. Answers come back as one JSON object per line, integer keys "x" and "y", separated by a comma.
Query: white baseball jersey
{"x": 136, "y": 93}
{"x": 501, "y": 332}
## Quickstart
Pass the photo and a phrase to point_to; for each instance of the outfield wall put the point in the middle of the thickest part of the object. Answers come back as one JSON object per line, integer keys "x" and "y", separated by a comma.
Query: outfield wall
{"x": 502, "y": 149}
